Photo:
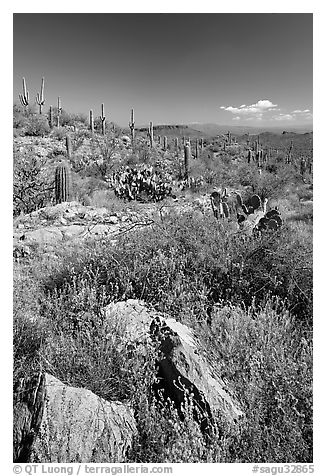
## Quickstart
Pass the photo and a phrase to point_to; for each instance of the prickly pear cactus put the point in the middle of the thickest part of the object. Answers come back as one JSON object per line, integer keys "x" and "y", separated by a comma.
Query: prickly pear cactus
{"x": 219, "y": 204}
{"x": 255, "y": 202}
{"x": 141, "y": 184}
{"x": 62, "y": 183}
{"x": 272, "y": 221}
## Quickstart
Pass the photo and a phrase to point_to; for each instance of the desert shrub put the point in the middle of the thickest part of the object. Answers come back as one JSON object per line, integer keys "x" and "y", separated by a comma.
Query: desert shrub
{"x": 29, "y": 331}
{"x": 20, "y": 117}
{"x": 78, "y": 118}
{"x": 37, "y": 125}
{"x": 189, "y": 263}
{"x": 30, "y": 123}
{"x": 267, "y": 357}
{"x": 32, "y": 189}
{"x": 59, "y": 133}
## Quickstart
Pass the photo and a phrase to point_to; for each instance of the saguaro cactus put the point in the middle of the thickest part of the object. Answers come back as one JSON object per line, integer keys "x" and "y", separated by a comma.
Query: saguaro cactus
{"x": 196, "y": 149}
{"x": 51, "y": 117}
{"x": 151, "y": 134}
{"x": 303, "y": 166}
{"x": 187, "y": 155}
{"x": 40, "y": 97}
{"x": 229, "y": 137}
{"x": 68, "y": 147}
{"x": 102, "y": 117}
{"x": 62, "y": 183}
{"x": 132, "y": 125}
{"x": 59, "y": 111}
{"x": 176, "y": 144}
{"x": 24, "y": 98}
{"x": 165, "y": 143}
{"x": 289, "y": 156}
{"x": 91, "y": 121}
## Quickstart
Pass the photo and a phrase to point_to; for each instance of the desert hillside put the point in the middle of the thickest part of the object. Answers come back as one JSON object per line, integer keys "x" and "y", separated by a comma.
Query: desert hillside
{"x": 162, "y": 292}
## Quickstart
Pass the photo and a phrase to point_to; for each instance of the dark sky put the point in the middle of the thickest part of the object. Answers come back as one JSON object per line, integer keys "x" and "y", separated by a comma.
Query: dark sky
{"x": 171, "y": 68}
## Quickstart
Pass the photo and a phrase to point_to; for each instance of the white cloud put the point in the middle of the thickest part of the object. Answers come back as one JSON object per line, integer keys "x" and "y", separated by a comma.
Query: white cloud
{"x": 264, "y": 109}
{"x": 298, "y": 111}
{"x": 254, "y": 110}
{"x": 283, "y": 117}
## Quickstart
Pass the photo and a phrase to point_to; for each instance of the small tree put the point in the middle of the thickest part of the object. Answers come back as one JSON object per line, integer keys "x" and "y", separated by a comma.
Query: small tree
{"x": 32, "y": 189}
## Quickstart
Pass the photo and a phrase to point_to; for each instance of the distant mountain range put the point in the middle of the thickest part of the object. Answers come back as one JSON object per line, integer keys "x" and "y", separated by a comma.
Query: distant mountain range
{"x": 212, "y": 130}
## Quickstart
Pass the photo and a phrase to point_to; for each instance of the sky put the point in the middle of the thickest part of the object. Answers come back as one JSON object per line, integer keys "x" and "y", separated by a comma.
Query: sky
{"x": 239, "y": 69}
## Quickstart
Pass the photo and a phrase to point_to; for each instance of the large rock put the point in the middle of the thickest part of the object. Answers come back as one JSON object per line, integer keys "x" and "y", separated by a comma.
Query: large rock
{"x": 55, "y": 423}
{"x": 183, "y": 367}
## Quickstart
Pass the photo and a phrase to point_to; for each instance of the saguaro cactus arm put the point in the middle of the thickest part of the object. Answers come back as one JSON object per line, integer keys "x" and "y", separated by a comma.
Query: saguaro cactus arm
{"x": 24, "y": 98}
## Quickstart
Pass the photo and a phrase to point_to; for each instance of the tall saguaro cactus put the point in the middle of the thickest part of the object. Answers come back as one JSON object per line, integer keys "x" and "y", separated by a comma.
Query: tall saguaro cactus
{"x": 91, "y": 121}
{"x": 24, "y": 98}
{"x": 151, "y": 134}
{"x": 62, "y": 183}
{"x": 51, "y": 117}
{"x": 40, "y": 100}
{"x": 176, "y": 144}
{"x": 187, "y": 155}
{"x": 165, "y": 143}
{"x": 102, "y": 117}
{"x": 59, "y": 111}
{"x": 132, "y": 125}
{"x": 197, "y": 149}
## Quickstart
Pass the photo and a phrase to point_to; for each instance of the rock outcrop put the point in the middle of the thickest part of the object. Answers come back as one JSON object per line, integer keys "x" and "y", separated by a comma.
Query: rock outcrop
{"x": 183, "y": 368}
{"x": 55, "y": 423}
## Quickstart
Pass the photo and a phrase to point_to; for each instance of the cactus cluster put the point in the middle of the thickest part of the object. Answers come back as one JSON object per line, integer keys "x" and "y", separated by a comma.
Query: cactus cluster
{"x": 140, "y": 184}
{"x": 194, "y": 183}
{"x": 265, "y": 220}
{"x": 271, "y": 221}
{"x": 219, "y": 204}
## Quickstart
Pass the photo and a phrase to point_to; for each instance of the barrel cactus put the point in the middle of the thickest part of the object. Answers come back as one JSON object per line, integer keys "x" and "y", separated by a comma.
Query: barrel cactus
{"x": 62, "y": 183}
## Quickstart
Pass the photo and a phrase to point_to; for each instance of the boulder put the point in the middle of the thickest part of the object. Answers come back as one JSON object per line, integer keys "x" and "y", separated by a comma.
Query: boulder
{"x": 182, "y": 366}
{"x": 56, "y": 423}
